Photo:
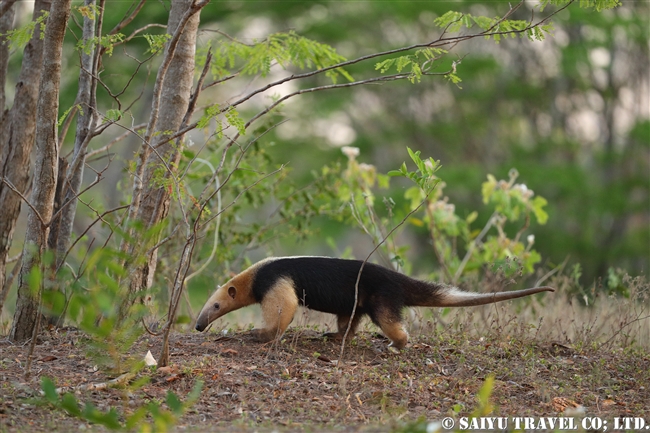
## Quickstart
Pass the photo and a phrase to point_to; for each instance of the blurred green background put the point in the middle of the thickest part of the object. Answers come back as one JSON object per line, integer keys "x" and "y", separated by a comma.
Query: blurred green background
{"x": 571, "y": 114}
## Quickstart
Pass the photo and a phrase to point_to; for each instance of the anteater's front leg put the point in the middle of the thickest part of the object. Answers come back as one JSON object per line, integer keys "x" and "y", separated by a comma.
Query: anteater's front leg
{"x": 278, "y": 308}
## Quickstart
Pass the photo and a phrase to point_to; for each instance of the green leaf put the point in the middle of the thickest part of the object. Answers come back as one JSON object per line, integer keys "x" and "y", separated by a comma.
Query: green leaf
{"x": 156, "y": 42}
{"x": 210, "y": 113}
{"x": 19, "y": 37}
{"x": 69, "y": 404}
{"x": 174, "y": 403}
{"x": 135, "y": 419}
{"x": 65, "y": 114}
{"x": 537, "y": 204}
{"x": 233, "y": 118}
{"x": 108, "y": 419}
{"x": 414, "y": 195}
{"x": 49, "y": 389}
{"x": 487, "y": 188}
{"x": 113, "y": 115}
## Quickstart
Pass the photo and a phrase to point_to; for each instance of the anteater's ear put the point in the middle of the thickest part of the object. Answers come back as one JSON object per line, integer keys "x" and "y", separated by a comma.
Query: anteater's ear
{"x": 232, "y": 292}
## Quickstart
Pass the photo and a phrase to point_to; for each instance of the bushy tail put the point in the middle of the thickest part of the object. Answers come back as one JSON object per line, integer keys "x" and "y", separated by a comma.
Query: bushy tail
{"x": 453, "y": 297}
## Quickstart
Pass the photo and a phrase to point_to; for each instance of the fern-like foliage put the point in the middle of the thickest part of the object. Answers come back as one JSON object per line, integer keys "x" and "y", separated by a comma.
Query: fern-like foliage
{"x": 415, "y": 63}
{"x": 598, "y": 5}
{"x": 286, "y": 49}
{"x": 495, "y": 28}
{"x": 19, "y": 37}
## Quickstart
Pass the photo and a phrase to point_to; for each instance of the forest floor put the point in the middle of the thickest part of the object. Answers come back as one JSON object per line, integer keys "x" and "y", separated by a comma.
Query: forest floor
{"x": 296, "y": 384}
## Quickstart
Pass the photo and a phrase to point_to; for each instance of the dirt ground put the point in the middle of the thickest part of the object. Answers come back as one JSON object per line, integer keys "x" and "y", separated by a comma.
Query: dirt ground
{"x": 297, "y": 385}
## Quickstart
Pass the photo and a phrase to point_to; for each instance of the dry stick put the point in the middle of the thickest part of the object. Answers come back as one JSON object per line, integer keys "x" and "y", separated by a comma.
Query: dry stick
{"x": 181, "y": 273}
{"x": 550, "y": 273}
{"x": 523, "y": 228}
{"x": 435, "y": 248}
{"x": 623, "y": 326}
{"x": 473, "y": 245}
{"x": 120, "y": 380}
{"x": 126, "y": 21}
{"x": 99, "y": 218}
{"x": 117, "y": 139}
{"x": 15, "y": 190}
{"x": 356, "y": 284}
{"x": 98, "y": 179}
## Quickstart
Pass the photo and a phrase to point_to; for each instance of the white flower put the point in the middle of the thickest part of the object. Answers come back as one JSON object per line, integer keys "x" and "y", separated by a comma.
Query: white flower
{"x": 525, "y": 192}
{"x": 350, "y": 152}
{"x": 530, "y": 239}
{"x": 366, "y": 167}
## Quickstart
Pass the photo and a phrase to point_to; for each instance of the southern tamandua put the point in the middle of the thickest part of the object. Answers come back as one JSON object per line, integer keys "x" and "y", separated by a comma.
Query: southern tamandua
{"x": 281, "y": 284}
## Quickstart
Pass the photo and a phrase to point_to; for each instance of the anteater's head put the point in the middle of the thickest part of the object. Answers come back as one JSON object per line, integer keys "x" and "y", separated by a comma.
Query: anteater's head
{"x": 233, "y": 295}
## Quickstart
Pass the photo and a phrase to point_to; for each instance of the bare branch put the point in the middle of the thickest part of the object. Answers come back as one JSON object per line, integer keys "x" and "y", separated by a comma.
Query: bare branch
{"x": 126, "y": 21}
{"x": 117, "y": 139}
{"x": 13, "y": 188}
{"x": 99, "y": 218}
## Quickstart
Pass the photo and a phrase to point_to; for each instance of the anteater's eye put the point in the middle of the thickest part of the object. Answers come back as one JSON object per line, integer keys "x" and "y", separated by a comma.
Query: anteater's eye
{"x": 216, "y": 305}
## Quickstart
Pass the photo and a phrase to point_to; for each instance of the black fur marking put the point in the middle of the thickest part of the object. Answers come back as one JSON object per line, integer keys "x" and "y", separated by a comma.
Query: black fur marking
{"x": 328, "y": 285}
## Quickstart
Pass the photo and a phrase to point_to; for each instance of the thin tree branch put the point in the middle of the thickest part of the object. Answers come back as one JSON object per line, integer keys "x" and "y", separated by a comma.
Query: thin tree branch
{"x": 126, "y": 21}
{"x": 114, "y": 141}
{"x": 13, "y": 188}
{"x": 99, "y": 218}
{"x": 473, "y": 245}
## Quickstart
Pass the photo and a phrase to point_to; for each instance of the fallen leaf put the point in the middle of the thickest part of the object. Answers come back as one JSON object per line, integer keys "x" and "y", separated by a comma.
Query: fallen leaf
{"x": 607, "y": 403}
{"x": 170, "y": 369}
{"x": 561, "y": 404}
{"x": 324, "y": 359}
{"x": 229, "y": 352}
{"x": 173, "y": 377}
{"x": 48, "y": 358}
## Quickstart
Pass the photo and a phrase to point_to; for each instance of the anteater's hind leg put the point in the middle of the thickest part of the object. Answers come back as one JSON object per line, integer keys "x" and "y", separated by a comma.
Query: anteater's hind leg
{"x": 388, "y": 317}
{"x": 278, "y": 308}
{"x": 342, "y": 324}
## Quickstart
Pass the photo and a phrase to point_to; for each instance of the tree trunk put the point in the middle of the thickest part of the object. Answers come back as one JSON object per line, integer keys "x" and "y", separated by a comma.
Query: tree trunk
{"x": 85, "y": 119}
{"x": 17, "y": 137}
{"x": 150, "y": 203}
{"x": 6, "y": 23}
{"x": 45, "y": 170}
